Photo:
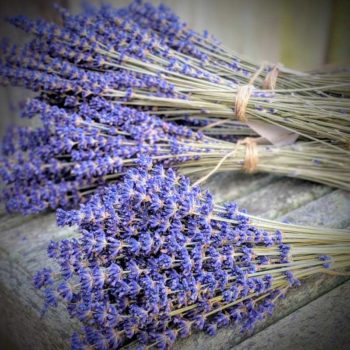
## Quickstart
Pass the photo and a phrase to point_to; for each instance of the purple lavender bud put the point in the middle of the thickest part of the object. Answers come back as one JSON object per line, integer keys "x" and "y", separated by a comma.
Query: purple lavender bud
{"x": 43, "y": 278}
{"x": 210, "y": 328}
{"x": 65, "y": 291}
{"x": 327, "y": 260}
{"x": 77, "y": 343}
{"x": 50, "y": 297}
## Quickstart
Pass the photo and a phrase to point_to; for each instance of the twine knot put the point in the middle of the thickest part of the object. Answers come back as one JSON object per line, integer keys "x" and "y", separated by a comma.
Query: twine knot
{"x": 243, "y": 95}
{"x": 241, "y": 102}
{"x": 271, "y": 78}
{"x": 251, "y": 158}
{"x": 244, "y": 92}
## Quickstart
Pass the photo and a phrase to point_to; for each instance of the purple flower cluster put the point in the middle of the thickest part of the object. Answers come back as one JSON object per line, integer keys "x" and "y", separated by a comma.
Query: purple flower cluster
{"x": 93, "y": 53}
{"x": 201, "y": 47}
{"x": 81, "y": 146}
{"x": 145, "y": 56}
{"x": 177, "y": 35}
{"x": 154, "y": 261}
{"x": 58, "y": 71}
{"x": 89, "y": 133}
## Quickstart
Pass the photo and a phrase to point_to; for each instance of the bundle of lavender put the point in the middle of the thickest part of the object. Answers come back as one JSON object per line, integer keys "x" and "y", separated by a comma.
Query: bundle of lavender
{"x": 156, "y": 259}
{"x": 114, "y": 54}
{"x": 79, "y": 148}
{"x": 207, "y": 50}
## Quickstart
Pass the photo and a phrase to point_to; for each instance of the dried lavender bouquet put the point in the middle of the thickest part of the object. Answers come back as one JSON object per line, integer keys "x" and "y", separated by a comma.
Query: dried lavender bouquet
{"x": 207, "y": 50}
{"x": 108, "y": 54}
{"x": 78, "y": 148}
{"x": 155, "y": 259}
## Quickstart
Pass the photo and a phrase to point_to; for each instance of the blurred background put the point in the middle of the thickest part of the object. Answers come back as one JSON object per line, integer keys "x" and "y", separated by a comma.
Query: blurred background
{"x": 301, "y": 34}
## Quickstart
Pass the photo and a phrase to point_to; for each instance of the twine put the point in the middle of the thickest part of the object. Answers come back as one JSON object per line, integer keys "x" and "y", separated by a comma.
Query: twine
{"x": 213, "y": 171}
{"x": 241, "y": 103}
{"x": 243, "y": 95}
{"x": 244, "y": 91}
{"x": 251, "y": 158}
{"x": 211, "y": 125}
{"x": 271, "y": 78}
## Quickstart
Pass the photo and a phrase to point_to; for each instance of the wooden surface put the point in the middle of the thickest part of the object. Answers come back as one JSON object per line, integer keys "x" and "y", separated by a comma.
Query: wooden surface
{"x": 322, "y": 324}
{"x": 23, "y": 245}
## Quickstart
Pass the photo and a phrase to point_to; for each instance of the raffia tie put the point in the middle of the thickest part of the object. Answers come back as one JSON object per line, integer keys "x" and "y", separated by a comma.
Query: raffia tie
{"x": 241, "y": 103}
{"x": 271, "y": 78}
{"x": 251, "y": 158}
{"x": 243, "y": 95}
{"x": 244, "y": 92}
